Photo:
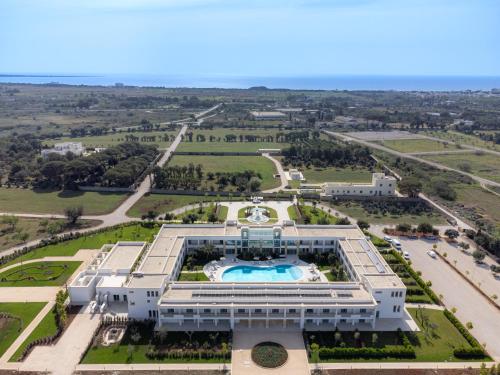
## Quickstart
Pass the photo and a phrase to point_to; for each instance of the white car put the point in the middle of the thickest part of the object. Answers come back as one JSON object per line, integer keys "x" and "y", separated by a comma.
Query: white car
{"x": 432, "y": 254}
{"x": 406, "y": 255}
{"x": 388, "y": 239}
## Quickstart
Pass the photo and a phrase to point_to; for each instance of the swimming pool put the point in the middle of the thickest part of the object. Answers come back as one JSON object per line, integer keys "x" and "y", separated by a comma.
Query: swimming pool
{"x": 282, "y": 272}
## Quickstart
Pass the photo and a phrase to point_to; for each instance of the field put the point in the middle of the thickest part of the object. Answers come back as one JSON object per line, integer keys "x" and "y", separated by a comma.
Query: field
{"x": 230, "y": 164}
{"x": 466, "y": 139}
{"x": 319, "y": 175}
{"x": 11, "y": 328}
{"x": 221, "y": 146}
{"x": 482, "y": 165}
{"x": 47, "y": 327}
{"x": 356, "y": 211}
{"x": 91, "y": 241}
{"x": 54, "y": 202}
{"x": 34, "y": 228}
{"x": 417, "y": 145}
{"x": 165, "y": 203}
{"x": 38, "y": 274}
{"x": 119, "y": 137}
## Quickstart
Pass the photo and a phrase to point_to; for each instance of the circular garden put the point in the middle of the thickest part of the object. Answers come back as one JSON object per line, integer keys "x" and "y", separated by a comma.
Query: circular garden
{"x": 269, "y": 354}
{"x": 37, "y": 272}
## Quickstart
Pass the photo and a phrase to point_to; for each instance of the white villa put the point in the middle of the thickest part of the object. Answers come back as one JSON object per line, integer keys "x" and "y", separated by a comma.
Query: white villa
{"x": 142, "y": 279}
{"x": 381, "y": 185}
{"x": 63, "y": 148}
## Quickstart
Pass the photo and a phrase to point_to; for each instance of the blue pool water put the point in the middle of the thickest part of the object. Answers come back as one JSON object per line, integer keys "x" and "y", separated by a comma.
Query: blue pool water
{"x": 282, "y": 272}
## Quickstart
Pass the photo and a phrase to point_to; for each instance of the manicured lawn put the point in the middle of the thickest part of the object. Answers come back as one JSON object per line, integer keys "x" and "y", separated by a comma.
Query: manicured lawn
{"x": 319, "y": 175}
{"x": 356, "y": 211}
{"x": 54, "y": 202}
{"x": 193, "y": 276}
{"x": 46, "y": 328}
{"x": 156, "y": 138}
{"x": 10, "y": 329}
{"x": 482, "y": 165}
{"x": 417, "y": 145}
{"x": 205, "y": 212}
{"x": 230, "y": 164}
{"x": 219, "y": 145}
{"x": 271, "y": 212}
{"x": 165, "y": 203}
{"x": 38, "y": 274}
{"x": 314, "y": 215}
{"x": 134, "y": 232}
{"x": 35, "y": 228}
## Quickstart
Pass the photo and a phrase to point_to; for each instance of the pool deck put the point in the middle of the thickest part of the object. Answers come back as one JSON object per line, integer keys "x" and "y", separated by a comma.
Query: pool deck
{"x": 310, "y": 273}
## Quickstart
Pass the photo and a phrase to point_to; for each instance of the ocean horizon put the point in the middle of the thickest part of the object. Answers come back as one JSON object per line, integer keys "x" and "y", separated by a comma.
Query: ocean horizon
{"x": 333, "y": 82}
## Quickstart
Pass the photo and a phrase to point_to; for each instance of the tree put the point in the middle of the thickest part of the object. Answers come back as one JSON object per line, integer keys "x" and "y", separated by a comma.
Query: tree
{"x": 11, "y": 221}
{"x": 410, "y": 186}
{"x": 403, "y": 227}
{"x": 364, "y": 225}
{"x": 425, "y": 228}
{"x": 478, "y": 256}
{"x": 73, "y": 214}
{"x": 343, "y": 221}
{"x": 451, "y": 233}
{"x": 151, "y": 215}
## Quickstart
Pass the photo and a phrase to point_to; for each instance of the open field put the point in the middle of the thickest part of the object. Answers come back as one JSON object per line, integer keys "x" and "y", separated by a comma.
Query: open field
{"x": 417, "y": 145}
{"x": 134, "y": 232}
{"x": 466, "y": 139}
{"x": 159, "y": 138}
{"x": 220, "y": 146}
{"x": 318, "y": 175}
{"x": 10, "y": 329}
{"x": 38, "y": 274}
{"x": 231, "y": 164}
{"x": 47, "y": 327}
{"x": 482, "y": 165}
{"x": 54, "y": 202}
{"x": 356, "y": 211}
{"x": 34, "y": 228}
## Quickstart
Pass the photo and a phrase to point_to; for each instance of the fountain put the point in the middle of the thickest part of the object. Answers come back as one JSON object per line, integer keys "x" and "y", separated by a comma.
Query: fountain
{"x": 258, "y": 215}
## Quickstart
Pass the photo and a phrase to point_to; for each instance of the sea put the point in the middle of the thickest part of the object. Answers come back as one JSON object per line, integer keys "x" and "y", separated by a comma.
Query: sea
{"x": 334, "y": 82}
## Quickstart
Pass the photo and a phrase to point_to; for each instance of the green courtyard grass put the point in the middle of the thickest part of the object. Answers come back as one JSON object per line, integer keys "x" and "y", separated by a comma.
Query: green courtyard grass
{"x": 318, "y": 175}
{"x": 116, "y": 138}
{"x": 356, "y": 211}
{"x": 135, "y": 232}
{"x": 231, "y": 164}
{"x": 315, "y": 215}
{"x": 220, "y": 146}
{"x": 193, "y": 276}
{"x": 417, "y": 145}
{"x": 39, "y": 274}
{"x": 10, "y": 329}
{"x": 205, "y": 212}
{"x": 47, "y": 327}
{"x": 482, "y": 164}
{"x": 54, "y": 202}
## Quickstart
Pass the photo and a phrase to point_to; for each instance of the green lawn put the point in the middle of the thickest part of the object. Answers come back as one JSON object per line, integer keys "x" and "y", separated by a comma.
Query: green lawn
{"x": 54, "y": 202}
{"x": 417, "y": 145}
{"x": 47, "y": 327}
{"x": 231, "y": 164}
{"x": 356, "y": 211}
{"x": 38, "y": 274}
{"x": 319, "y": 175}
{"x": 242, "y": 214}
{"x": 315, "y": 215}
{"x": 12, "y": 328}
{"x": 157, "y": 138}
{"x": 134, "y": 232}
{"x": 482, "y": 165}
{"x": 193, "y": 276}
{"x": 219, "y": 145}
{"x": 466, "y": 139}
{"x": 203, "y": 215}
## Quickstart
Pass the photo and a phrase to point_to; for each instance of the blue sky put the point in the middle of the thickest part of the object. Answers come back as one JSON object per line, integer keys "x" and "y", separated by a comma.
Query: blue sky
{"x": 251, "y": 38}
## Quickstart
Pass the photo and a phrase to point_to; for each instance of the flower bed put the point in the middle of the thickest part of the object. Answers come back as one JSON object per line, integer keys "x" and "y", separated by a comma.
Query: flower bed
{"x": 269, "y": 354}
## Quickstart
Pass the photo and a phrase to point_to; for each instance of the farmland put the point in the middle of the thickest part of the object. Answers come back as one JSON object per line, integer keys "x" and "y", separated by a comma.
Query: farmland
{"x": 417, "y": 145}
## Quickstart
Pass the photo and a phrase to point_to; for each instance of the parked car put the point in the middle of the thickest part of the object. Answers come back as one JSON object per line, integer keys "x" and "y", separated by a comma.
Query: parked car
{"x": 406, "y": 255}
{"x": 388, "y": 239}
{"x": 396, "y": 244}
{"x": 432, "y": 254}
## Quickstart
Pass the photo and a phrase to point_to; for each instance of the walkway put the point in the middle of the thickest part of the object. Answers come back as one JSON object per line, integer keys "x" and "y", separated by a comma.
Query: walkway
{"x": 245, "y": 339}
{"x": 281, "y": 172}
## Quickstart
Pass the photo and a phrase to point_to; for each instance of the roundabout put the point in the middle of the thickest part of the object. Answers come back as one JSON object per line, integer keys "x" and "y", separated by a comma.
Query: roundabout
{"x": 269, "y": 354}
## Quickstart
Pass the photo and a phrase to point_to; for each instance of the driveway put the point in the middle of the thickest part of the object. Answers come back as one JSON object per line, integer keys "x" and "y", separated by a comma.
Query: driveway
{"x": 281, "y": 172}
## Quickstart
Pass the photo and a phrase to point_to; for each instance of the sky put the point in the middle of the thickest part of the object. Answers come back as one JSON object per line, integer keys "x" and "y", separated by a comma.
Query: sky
{"x": 251, "y": 38}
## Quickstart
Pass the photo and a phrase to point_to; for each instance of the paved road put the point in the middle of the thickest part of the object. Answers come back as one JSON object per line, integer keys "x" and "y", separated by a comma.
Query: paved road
{"x": 471, "y": 306}
{"x": 281, "y": 172}
{"x": 478, "y": 179}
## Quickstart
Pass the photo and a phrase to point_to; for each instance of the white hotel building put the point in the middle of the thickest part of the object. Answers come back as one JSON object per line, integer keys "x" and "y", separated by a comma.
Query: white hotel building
{"x": 142, "y": 279}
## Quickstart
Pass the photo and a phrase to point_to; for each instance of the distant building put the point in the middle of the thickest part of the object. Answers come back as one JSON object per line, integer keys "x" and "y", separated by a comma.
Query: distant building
{"x": 295, "y": 175}
{"x": 270, "y": 115}
{"x": 63, "y": 148}
{"x": 381, "y": 185}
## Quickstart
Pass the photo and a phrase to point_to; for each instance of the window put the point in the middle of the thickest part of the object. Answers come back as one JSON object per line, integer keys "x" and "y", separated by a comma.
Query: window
{"x": 156, "y": 294}
{"x": 401, "y": 294}
{"x": 241, "y": 310}
{"x": 275, "y": 311}
{"x": 394, "y": 308}
{"x": 116, "y": 297}
{"x": 399, "y": 308}
{"x": 309, "y": 310}
{"x": 392, "y": 294}
{"x": 189, "y": 311}
{"x": 125, "y": 298}
{"x": 326, "y": 310}
{"x": 148, "y": 294}
{"x": 362, "y": 311}
{"x": 170, "y": 311}
{"x": 206, "y": 310}
{"x": 343, "y": 311}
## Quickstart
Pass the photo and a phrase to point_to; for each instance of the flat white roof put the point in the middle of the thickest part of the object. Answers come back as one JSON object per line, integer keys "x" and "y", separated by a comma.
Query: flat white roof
{"x": 123, "y": 255}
